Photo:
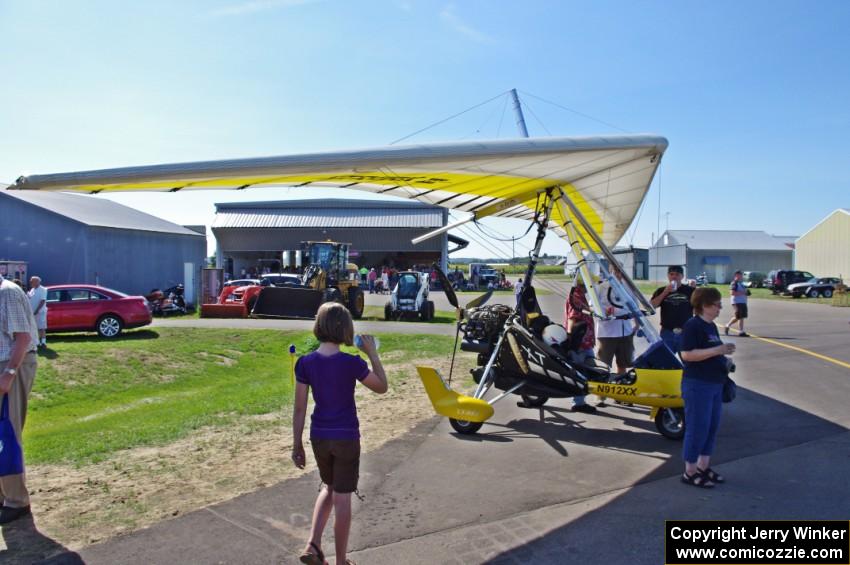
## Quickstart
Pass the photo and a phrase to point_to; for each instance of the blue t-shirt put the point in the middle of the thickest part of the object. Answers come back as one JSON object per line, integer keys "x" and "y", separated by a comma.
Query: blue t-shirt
{"x": 699, "y": 334}
{"x": 332, "y": 379}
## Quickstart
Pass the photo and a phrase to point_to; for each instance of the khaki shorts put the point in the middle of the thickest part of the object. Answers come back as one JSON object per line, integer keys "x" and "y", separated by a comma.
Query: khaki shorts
{"x": 620, "y": 348}
{"x": 339, "y": 463}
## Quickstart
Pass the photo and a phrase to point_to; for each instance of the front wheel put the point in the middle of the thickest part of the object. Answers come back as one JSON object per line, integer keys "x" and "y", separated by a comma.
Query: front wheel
{"x": 356, "y": 302}
{"x": 813, "y": 293}
{"x": 464, "y": 427}
{"x": 109, "y": 326}
{"x": 671, "y": 423}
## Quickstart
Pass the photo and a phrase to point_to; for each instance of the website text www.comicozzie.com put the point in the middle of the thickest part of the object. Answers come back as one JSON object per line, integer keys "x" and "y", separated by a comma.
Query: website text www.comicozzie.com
{"x": 762, "y": 542}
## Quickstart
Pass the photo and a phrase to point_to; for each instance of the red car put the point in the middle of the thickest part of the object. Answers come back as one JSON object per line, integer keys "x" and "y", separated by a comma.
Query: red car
{"x": 87, "y": 307}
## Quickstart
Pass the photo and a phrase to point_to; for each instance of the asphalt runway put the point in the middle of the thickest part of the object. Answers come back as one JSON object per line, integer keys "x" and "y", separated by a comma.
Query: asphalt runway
{"x": 552, "y": 486}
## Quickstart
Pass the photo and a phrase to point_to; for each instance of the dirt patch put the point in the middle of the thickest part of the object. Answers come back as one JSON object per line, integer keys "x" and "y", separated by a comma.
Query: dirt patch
{"x": 78, "y": 506}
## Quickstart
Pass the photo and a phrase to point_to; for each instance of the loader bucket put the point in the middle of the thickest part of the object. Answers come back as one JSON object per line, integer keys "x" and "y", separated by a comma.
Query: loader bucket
{"x": 287, "y": 302}
{"x": 451, "y": 404}
{"x": 233, "y": 310}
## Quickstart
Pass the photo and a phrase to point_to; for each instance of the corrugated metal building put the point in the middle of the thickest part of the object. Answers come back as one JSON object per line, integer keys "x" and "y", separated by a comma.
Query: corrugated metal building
{"x": 718, "y": 253}
{"x": 258, "y": 235}
{"x": 635, "y": 261}
{"x": 72, "y": 238}
{"x": 824, "y": 250}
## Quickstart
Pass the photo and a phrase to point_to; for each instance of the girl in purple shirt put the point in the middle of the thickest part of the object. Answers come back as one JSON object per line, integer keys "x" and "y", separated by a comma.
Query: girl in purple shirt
{"x": 334, "y": 429}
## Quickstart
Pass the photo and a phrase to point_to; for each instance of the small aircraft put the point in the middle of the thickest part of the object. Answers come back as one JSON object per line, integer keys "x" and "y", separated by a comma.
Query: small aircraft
{"x": 585, "y": 189}
{"x": 521, "y": 352}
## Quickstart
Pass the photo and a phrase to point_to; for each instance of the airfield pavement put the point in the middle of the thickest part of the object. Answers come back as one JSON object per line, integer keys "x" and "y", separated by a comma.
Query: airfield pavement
{"x": 551, "y": 486}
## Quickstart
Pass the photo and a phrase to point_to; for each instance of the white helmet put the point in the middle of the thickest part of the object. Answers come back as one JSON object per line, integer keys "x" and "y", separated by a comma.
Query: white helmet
{"x": 554, "y": 334}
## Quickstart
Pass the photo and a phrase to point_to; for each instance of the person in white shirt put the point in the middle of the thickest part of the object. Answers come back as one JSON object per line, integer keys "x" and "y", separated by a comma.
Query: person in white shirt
{"x": 38, "y": 302}
{"x": 616, "y": 333}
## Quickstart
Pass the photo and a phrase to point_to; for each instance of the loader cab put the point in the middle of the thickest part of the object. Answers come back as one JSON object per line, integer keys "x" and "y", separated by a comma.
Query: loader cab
{"x": 332, "y": 257}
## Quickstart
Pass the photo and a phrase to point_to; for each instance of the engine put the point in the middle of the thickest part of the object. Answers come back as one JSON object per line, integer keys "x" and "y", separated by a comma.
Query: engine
{"x": 482, "y": 327}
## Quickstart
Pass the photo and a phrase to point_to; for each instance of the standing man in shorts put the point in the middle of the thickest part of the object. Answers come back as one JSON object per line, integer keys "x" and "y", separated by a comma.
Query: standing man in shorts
{"x": 738, "y": 292}
{"x": 675, "y": 302}
{"x": 18, "y": 361}
{"x": 616, "y": 333}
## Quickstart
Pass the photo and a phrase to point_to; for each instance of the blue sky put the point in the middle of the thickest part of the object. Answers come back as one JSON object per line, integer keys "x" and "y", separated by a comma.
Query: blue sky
{"x": 753, "y": 96}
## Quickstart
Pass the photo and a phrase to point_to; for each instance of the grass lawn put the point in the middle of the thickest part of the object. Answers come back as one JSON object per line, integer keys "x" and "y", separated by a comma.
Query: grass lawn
{"x": 94, "y": 397}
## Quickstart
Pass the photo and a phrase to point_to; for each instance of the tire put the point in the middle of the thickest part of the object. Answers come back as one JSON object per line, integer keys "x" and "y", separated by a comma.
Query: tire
{"x": 424, "y": 312}
{"x": 251, "y": 303}
{"x": 813, "y": 293}
{"x": 388, "y": 311}
{"x": 356, "y": 302}
{"x": 670, "y": 423}
{"x": 827, "y": 293}
{"x": 534, "y": 401}
{"x": 109, "y": 326}
{"x": 464, "y": 427}
{"x": 430, "y": 309}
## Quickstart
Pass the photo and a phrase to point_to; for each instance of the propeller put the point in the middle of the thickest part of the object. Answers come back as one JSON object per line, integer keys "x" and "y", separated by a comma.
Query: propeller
{"x": 460, "y": 313}
{"x": 452, "y": 296}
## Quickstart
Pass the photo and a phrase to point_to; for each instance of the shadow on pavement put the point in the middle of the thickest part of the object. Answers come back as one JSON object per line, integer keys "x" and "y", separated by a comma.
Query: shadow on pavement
{"x": 776, "y": 466}
{"x": 25, "y": 544}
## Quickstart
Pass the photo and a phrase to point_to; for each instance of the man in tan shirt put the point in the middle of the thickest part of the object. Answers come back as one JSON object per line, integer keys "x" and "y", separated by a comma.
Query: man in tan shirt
{"x": 18, "y": 342}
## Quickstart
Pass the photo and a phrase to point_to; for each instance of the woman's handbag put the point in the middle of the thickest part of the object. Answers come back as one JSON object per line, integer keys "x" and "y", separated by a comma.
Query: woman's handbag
{"x": 730, "y": 390}
{"x": 11, "y": 456}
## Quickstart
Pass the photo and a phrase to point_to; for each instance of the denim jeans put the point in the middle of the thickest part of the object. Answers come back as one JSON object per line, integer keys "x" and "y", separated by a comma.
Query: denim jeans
{"x": 703, "y": 403}
{"x": 671, "y": 340}
{"x": 587, "y": 354}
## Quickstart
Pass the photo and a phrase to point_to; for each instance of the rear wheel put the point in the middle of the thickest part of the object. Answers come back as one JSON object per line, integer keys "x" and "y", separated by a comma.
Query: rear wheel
{"x": 430, "y": 309}
{"x": 534, "y": 401}
{"x": 356, "y": 302}
{"x": 424, "y": 312}
{"x": 464, "y": 427}
{"x": 827, "y": 293}
{"x": 388, "y": 311}
{"x": 109, "y": 326}
{"x": 671, "y": 423}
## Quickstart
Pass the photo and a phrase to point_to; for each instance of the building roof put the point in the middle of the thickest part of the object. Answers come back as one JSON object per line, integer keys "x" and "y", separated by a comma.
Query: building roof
{"x": 328, "y": 213}
{"x": 732, "y": 240}
{"x": 845, "y": 211}
{"x": 97, "y": 212}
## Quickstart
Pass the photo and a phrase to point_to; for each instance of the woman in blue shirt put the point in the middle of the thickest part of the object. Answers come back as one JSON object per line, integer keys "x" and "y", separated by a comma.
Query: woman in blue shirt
{"x": 704, "y": 357}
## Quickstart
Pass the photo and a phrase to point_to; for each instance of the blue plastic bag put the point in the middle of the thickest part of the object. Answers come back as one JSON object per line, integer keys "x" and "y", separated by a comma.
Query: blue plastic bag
{"x": 11, "y": 456}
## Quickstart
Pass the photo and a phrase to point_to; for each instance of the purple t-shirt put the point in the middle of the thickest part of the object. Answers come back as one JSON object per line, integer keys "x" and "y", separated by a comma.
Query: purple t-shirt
{"x": 332, "y": 379}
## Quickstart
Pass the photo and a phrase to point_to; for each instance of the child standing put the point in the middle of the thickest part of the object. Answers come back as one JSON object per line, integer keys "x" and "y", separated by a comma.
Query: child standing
{"x": 334, "y": 429}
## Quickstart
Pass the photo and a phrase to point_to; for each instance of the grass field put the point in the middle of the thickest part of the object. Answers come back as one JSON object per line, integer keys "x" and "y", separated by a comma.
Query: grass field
{"x": 94, "y": 397}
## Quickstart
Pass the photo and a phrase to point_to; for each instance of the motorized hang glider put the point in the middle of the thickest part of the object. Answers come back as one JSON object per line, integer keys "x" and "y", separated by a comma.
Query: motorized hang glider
{"x": 585, "y": 189}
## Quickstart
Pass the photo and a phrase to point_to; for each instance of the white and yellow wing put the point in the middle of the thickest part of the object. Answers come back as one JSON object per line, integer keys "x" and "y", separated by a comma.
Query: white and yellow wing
{"x": 606, "y": 177}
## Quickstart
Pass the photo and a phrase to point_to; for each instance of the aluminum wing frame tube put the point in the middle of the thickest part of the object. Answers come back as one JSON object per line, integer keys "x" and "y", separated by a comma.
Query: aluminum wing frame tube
{"x": 538, "y": 243}
{"x": 576, "y": 248}
{"x": 649, "y": 331}
{"x": 574, "y": 211}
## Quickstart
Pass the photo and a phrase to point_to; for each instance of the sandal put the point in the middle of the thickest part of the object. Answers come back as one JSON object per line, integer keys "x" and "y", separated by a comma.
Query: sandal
{"x": 310, "y": 558}
{"x": 697, "y": 480}
{"x": 711, "y": 475}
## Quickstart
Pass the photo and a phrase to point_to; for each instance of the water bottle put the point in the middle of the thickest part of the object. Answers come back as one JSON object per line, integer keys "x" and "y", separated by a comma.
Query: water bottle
{"x": 358, "y": 342}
